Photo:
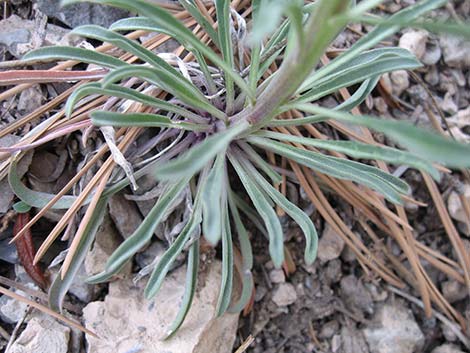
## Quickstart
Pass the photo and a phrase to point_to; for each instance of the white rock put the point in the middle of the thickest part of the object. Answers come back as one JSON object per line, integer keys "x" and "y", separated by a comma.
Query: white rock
{"x": 456, "y": 51}
{"x": 394, "y": 331}
{"x": 448, "y": 104}
{"x": 415, "y": 42}
{"x": 330, "y": 245}
{"x": 433, "y": 54}
{"x": 284, "y": 294}
{"x": 126, "y": 322}
{"x": 43, "y": 334}
{"x": 400, "y": 81}
{"x": 277, "y": 276}
{"x": 447, "y": 348}
{"x": 12, "y": 310}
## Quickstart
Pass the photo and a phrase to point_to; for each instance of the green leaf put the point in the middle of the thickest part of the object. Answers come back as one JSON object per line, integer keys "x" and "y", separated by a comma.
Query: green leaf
{"x": 142, "y": 234}
{"x": 260, "y": 162}
{"x": 374, "y": 178}
{"x": 226, "y": 283}
{"x": 124, "y": 43}
{"x": 211, "y": 198}
{"x": 359, "y": 95}
{"x": 270, "y": 14}
{"x": 176, "y": 85}
{"x": 422, "y": 143}
{"x": 21, "y": 207}
{"x": 137, "y": 24}
{"x": 190, "y": 289}
{"x": 374, "y": 37}
{"x": 78, "y": 54}
{"x": 60, "y": 286}
{"x": 160, "y": 271}
{"x": 222, "y": 8}
{"x": 360, "y": 150}
{"x": 198, "y": 156}
{"x": 305, "y": 223}
{"x": 201, "y": 20}
{"x": 163, "y": 19}
{"x": 243, "y": 238}
{"x": 262, "y": 205}
{"x": 125, "y": 93}
{"x": 365, "y": 66}
{"x": 34, "y": 198}
{"x": 105, "y": 118}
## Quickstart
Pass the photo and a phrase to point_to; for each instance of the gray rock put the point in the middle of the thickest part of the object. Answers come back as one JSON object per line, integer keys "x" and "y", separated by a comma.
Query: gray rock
{"x": 277, "y": 276}
{"x": 453, "y": 291}
{"x": 81, "y": 14}
{"x": 394, "y": 330}
{"x": 447, "y": 348}
{"x": 106, "y": 241}
{"x": 126, "y": 322}
{"x": 43, "y": 334}
{"x": 415, "y": 42}
{"x": 30, "y": 100}
{"x": 355, "y": 295}
{"x": 330, "y": 245}
{"x": 19, "y": 36}
{"x": 456, "y": 52}
{"x": 352, "y": 341}
{"x": 8, "y": 251}
{"x": 79, "y": 288}
{"x": 284, "y": 295}
{"x": 125, "y": 215}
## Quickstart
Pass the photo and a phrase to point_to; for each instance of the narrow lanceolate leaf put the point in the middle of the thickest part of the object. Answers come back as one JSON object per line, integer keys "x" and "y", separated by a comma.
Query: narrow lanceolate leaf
{"x": 163, "y": 19}
{"x": 198, "y": 156}
{"x": 170, "y": 79}
{"x": 359, "y": 95}
{"x": 142, "y": 234}
{"x": 304, "y": 221}
{"x": 422, "y": 143}
{"x": 374, "y": 178}
{"x": 211, "y": 199}
{"x": 225, "y": 39}
{"x": 267, "y": 213}
{"x": 243, "y": 238}
{"x": 78, "y": 54}
{"x": 201, "y": 19}
{"x": 260, "y": 162}
{"x": 125, "y": 93}
{"x": 124, "y": 43}
{"x": 374, "y": 37}
{"x": 138, "y": 23}
{"x": 189, "y": 290}
{"x": 31, "y": 197}
{"x": 176, "y": 85}
{"x": 191, "y": 229}
{"x": 363, "y": 67}
{"x": 60, "y": 286}
{"x": 226, "y": 282}
{"x": 105, "y": 118}
{"x": 360, "y": 150}
{"x": 247, "y": 258}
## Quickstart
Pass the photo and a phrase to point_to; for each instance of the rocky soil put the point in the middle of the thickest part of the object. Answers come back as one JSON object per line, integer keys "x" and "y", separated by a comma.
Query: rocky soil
{"x": 332, "y": 306}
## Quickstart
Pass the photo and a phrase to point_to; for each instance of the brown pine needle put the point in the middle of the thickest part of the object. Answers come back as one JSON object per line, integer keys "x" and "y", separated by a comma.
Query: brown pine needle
{"x": 47, "y": 311}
